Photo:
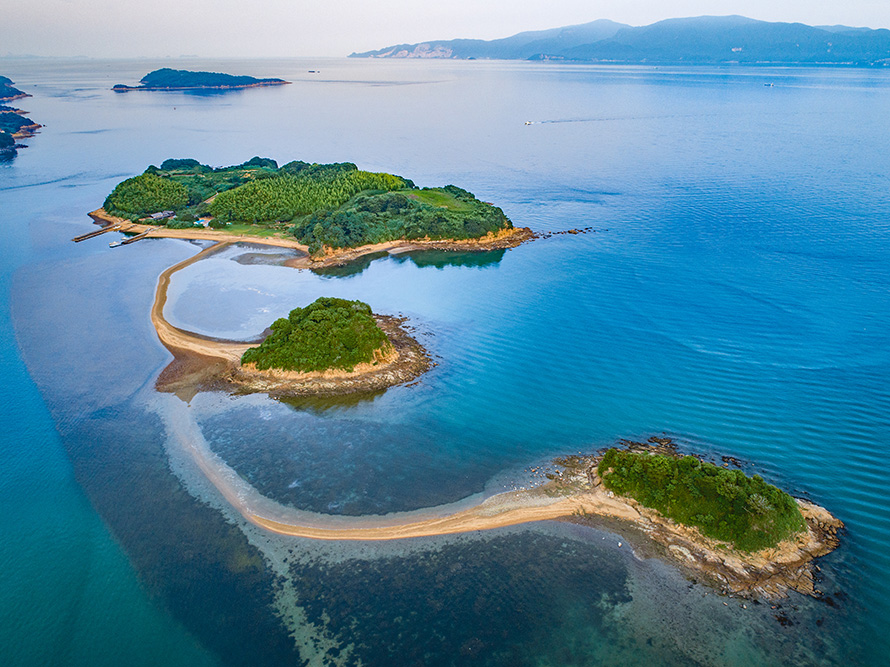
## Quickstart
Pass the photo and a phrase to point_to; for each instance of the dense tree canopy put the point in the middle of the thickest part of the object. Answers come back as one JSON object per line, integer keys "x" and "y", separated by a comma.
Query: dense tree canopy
{"x": 327, "y": 334}
{"x": 183, "y": 78}
{"x": 7, "y": 91}
{"x": 6, "y": 141}
{"x": 434, "y": 213}
{"x": 724, "y": 504}
{"x": 147, "y": 193}
{"x": 335, "y": 205}
{"x": 287, "y": 196}
{"x": 13, "y": 122}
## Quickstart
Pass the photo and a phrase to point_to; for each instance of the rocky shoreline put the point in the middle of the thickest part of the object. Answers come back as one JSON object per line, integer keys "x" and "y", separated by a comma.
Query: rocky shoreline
{"x": 767, "y": 574}
{"x": 407, "y": 362}
{"x": 507, "y": 238}
{"x": 200, "y": 362}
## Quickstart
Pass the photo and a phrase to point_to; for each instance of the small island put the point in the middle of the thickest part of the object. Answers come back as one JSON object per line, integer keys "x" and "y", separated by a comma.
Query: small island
{"x": 330, "y": 347}
{"x": 738, "y": 532}
{"x": 13, "y": 122}
{"x": 328, "y": 334}
{"x": 732, "y": 531}
{"x": 182, "y": 79}
{"x": 332, "y": 212}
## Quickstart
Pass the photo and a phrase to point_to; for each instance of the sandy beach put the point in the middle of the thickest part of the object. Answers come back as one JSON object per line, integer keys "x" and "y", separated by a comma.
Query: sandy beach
{"x": 575, "y": 494}
{"x": 507, "y": 238}
{"x": 199, "y": 360}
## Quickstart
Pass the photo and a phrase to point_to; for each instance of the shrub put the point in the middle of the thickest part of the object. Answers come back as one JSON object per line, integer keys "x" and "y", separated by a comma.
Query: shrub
{"x": 327, "y": 334}
{"x": 147, "y": 193}
{"x": 724, "y": 504}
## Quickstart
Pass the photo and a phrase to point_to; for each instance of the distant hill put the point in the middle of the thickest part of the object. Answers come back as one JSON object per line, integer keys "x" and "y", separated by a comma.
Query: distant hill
{"x": 182, "y": 79}
{"x": 703, "y": 39}
{"x": 518, "y": 47}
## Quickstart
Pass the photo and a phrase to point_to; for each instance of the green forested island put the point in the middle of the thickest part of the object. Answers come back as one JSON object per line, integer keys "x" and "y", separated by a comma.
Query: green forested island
{"x": 8, "y": 91}
{"x": 333, "y": 205}
{"x": 327, "y": 334}
{"x": 13, "y": 123}
{"x": 183, "y": 79}
{"x": 724, "y": 504}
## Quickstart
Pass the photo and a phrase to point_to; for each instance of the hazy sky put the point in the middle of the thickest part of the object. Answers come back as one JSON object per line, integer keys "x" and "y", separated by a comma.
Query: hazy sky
{"x": 125, "y": 28}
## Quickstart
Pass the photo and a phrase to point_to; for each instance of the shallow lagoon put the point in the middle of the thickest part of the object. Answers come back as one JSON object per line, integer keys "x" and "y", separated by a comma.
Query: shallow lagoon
{"x": 734, "y": 295}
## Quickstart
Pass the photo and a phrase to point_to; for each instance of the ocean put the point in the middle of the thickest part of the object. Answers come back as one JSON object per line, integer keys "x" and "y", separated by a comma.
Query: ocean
{"x": 732, "y": 294}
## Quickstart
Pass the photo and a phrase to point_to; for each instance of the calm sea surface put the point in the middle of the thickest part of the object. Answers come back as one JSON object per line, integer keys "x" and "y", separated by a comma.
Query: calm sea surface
{"x": 735, "y": 294}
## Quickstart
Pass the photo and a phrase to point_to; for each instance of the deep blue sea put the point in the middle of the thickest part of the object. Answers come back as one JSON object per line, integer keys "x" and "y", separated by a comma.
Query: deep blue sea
{"x": 734, "y": 294}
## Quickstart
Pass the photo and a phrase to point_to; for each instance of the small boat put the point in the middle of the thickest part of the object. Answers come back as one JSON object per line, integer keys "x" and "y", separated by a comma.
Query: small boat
{"x": 769, "y": 85}
{"x": 115, "y": 244}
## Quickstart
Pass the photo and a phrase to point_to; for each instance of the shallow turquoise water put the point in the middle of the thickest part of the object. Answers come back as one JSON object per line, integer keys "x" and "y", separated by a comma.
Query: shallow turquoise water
{"x": 734, "y": 296}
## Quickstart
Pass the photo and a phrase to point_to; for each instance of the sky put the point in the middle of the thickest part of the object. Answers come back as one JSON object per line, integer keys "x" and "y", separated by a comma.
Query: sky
{"x": 281, "y": 28}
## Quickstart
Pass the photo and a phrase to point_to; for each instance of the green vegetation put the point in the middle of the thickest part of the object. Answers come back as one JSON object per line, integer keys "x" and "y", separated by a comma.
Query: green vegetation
{"x": 334, "y": 205}
{"x": 379, "y": 217}
{"x": 724, "y": 504}
{"x": 8, "y": 91}
{"x": 13, "y": 122}
{"x": 6, "y": 141}
{"x": 182, "y": 78}
{"x": 327, "y": 334}
{"x": 288, "y": 196}
{"x": 145, "y": 194}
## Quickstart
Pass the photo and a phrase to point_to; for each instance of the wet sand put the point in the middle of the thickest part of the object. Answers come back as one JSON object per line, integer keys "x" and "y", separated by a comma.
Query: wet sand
{"x": 507, "y": 238}
{"x": 576, "y": 494}
{"x": 201, "y": 360}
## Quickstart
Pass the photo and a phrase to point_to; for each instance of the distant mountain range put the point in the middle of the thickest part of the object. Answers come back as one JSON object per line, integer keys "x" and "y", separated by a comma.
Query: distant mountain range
{"x": 703, "y": 39}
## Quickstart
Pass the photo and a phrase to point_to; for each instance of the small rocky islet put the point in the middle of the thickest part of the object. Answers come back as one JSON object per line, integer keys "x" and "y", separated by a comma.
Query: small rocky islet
{"x": 769, "y": 571}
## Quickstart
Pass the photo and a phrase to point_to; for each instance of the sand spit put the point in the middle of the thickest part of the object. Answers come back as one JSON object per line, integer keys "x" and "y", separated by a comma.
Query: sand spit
{"x": 763, "y": 574}
{"x": 506, "y": 238}
{"x": 195, "y": 234}
{"x": 201, "y": 361}
{"x": 575, "y": 493}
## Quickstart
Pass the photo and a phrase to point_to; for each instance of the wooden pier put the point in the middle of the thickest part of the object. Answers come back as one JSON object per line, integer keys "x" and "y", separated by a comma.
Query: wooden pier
{"x": 138, "y": 237}
{"x": 84, "y": 237}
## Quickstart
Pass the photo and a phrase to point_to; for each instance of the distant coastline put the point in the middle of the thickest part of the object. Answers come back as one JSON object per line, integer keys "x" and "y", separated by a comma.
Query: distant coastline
{"x": 702, "y": 40}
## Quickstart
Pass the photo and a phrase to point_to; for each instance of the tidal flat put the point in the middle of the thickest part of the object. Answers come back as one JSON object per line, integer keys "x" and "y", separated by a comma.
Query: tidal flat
{"x": 733, "y": 295}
